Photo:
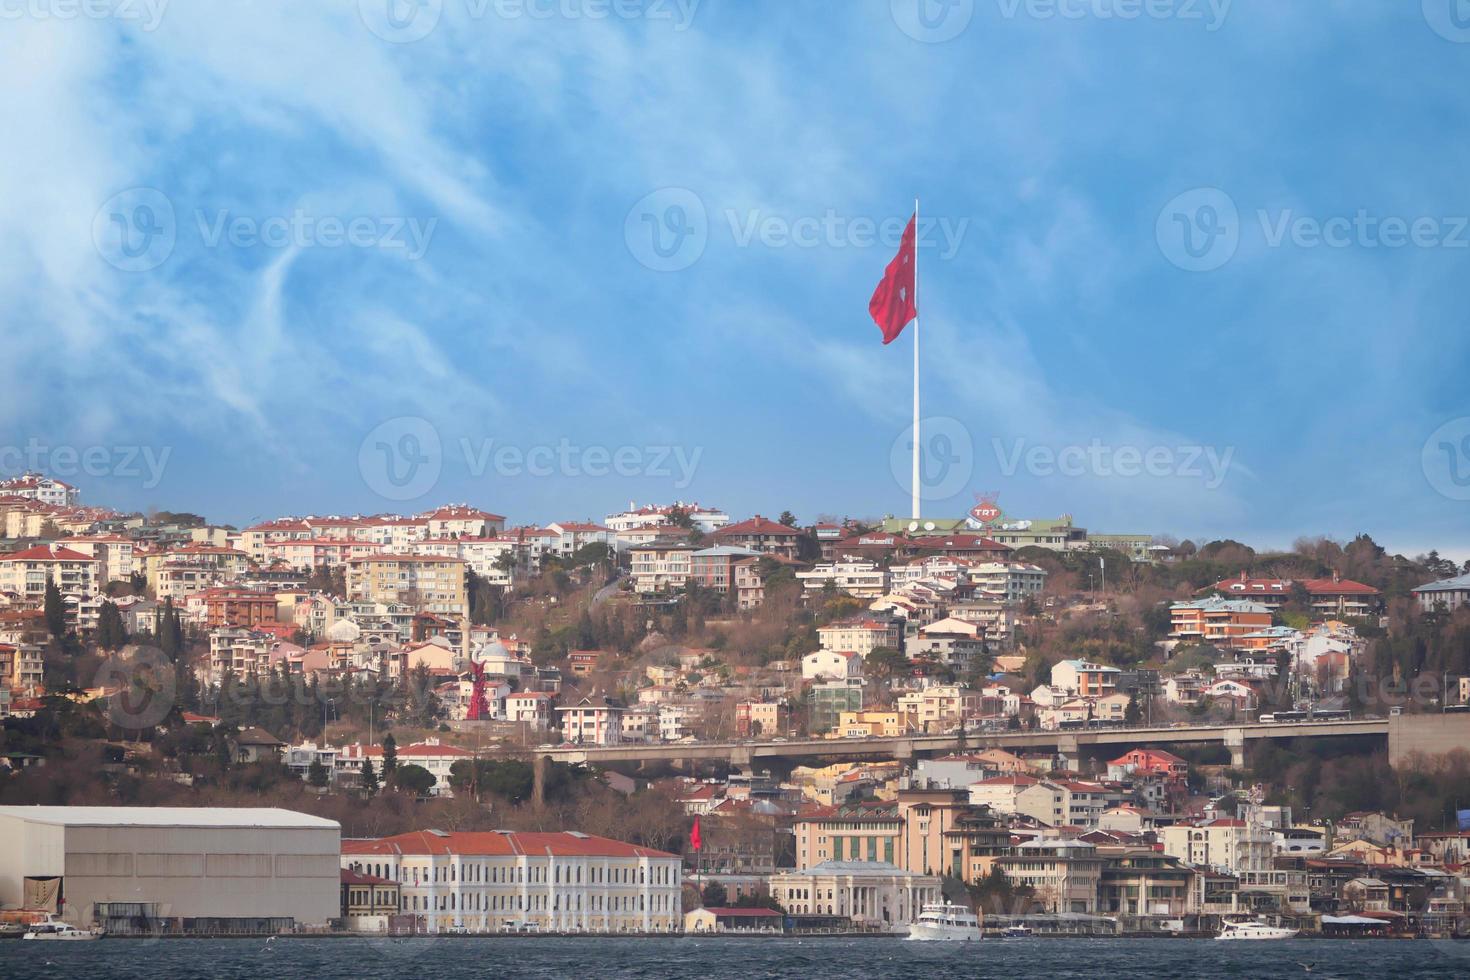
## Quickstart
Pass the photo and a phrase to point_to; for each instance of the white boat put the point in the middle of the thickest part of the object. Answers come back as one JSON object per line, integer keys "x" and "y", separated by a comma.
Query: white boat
{"x": 1017, "y": 932}
{"x": 61, "y": 931}
{"x": 1255, "y": 930}
{"x": 945, "y": 923}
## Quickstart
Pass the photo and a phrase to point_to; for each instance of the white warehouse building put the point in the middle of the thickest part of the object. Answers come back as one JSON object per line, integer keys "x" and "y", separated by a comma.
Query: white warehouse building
{"x": 190, "y": 869}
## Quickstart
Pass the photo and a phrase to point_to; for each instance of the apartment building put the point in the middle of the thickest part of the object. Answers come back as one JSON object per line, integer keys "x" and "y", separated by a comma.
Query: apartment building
{"x": 1218, "y": 621}
{"x": 1015, "y": 581}
{"x": 35, "y": 486}
{"x": 462, "y": 520}
{"x": 27, "y": 572}
{"x": 504, "y": 881}
{"x": 426, "y": 582}
{"x": 861, "y": 636}
{"x": 714, "y": 568}
{"x": 857, "y": 577}
{"x": 1448, "y": 594}
{"x": 660, "y": 567}
{"x": 592, "y": 720}
{"x": 763, "y": 535}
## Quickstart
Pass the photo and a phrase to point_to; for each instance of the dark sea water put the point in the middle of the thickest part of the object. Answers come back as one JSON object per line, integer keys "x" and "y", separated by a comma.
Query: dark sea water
{"x": 1013, "y": 959}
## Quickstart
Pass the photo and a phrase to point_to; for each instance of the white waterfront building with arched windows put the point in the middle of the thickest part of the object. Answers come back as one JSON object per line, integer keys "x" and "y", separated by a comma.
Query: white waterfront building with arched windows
{"x": 505, "y": 881}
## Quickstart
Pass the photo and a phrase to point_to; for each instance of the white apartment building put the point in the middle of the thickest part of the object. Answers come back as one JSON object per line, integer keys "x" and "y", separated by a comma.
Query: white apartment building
{"x": 114, "y": 551}
{"x": 857, "y": 577}
{"x": 1016, "y": 581}
{"x": 831, "y": 665}
{"x": 437, "y": 758}
{"x": 27, "y": 572}
{"x": 705, "y": 519}
{"x": 34, "y": 486}
{"x": 502, "y": 881}
{"x": 660, "y": 567}
{"x": 594, "y": 720}
{"x": 861, "y": 637}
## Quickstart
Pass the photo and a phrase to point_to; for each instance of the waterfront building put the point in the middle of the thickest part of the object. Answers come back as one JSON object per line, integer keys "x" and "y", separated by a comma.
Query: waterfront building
{"x": 873, "y": 894}
{"x": 504, "y": 881}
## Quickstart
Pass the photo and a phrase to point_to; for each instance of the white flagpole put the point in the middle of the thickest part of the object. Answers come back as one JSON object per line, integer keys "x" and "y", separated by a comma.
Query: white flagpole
{"x": 916, "y": 361}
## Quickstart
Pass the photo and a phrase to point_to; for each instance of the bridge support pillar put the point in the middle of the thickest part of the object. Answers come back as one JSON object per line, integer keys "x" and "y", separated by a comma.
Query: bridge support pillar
{"x": 1235, "y": 742}
{"x": 741, "y": 757}
{"x": 1069, "y": 752}
{"x": 538, "y": 777}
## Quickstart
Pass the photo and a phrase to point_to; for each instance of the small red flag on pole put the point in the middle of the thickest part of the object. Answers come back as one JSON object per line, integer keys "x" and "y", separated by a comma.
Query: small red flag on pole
{"x": 695, "y": 841}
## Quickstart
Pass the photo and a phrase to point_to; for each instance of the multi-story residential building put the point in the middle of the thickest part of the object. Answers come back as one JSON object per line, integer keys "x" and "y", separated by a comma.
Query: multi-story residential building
{"x": 937, "y": 709}
{"x": 861, "y": 636}
{"x": 1448, "y": 594}
{"x": 763, "y": 535}
{"x": 530, "y": 708}
{"x": 34, "y": 486}
{"x": 761, "y": 719}
{"x": 431, "y": 754}
{"x": 220, "y": 564}
{"x": 1140, "y": 881}
{"x": 504, "y": 881}
{"x": 1083, "y": 679}
{"x": 826, "y": 700}
{"x": 27, "y": 572}
{"x": 714, "y": 568}
{"x": 462, "y": 520}
{"x": 1222, "y": 844}
{"x": 868, "y": 724}
{"x": 660, "y": 566}
{"x": 1338, "y": 597}
{"x": 871, "y": 894}
{"x": 1218, "y": 621}
{"x": 707, "y": 520}
{"x": 952, "y": 642}
{"x": 831, "y": 665}
{"x": 426, "y": 582}
{"x": 857, "y": 577}
{"x": 867, "y": 830}
{"x": 239, "y": 651}
{"x": 226, "y": 606}
{"x": 574, "y": 535}
{"x": 114, "y": 551}
{"x": 310, "y": 553}
{"x": 1065, "y": 874}
{"x": 592, "y": 720}
{"x": 22, "y": 668}
{"x": 1015, "y": 580}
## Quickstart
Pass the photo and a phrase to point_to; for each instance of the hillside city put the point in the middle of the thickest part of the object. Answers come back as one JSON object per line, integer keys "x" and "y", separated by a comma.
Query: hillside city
{"x": 670, "y": 718}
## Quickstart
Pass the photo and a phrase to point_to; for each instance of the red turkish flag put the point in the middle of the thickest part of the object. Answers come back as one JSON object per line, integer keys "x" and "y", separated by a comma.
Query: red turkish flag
{"x": 695, "y": 841}
{"x": 893, "y": 304}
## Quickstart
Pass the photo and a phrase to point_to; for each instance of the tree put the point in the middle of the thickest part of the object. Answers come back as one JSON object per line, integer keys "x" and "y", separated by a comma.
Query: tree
{"x": 316, "y": 774}
{"x": 55, "y": 609}
{"x": 1132, "y": 714}
{"x": 787, "y": 518}
{"x": 412, "y": 779}
{"x": 885, "y": 662}
{"x": 111, "y": 633}
{"x": 714, "y": 895}
{"x": 390, "y": 755}
{"x": 369, "y": 779}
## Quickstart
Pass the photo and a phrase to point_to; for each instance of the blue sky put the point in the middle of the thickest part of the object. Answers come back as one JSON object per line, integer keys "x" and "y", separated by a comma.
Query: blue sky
{"x": 272, "y": 240}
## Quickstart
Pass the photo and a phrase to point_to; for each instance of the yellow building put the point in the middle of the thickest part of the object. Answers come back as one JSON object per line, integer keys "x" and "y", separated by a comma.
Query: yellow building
{"x": 426, "y": 582}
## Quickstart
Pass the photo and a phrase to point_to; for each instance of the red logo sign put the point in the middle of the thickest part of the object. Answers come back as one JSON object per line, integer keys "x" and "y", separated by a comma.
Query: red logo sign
{"x": 985, "y": 510}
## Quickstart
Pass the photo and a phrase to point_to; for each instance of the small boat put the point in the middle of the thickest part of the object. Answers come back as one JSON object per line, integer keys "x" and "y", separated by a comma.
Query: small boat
{"x": 1255, "y": 930}
{"x": 61, "y": 931}
{"x": 945, "y": 923}
{"x": 1017, "y": 932}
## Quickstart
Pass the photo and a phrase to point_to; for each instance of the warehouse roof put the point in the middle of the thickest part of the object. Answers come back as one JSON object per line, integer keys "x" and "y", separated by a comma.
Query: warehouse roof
{"x": 169, "y": 816}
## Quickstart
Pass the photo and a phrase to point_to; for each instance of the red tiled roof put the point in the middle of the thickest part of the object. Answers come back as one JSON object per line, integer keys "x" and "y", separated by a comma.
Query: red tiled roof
{"x": 498, "y": 843}
{"x": 1330, "y": 586}
{"x": 757, "y": 525}
{"x": 43, "y": 552}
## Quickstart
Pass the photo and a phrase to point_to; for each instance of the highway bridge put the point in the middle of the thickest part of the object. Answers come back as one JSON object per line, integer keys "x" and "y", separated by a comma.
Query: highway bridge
{"x": 1069, "y": 744}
